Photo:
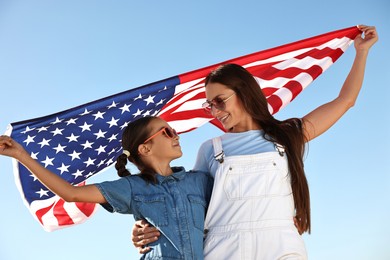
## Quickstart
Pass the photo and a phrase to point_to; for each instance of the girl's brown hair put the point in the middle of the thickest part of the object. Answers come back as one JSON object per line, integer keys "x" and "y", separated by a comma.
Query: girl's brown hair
{"x": 288, "y": 133}
{"x": 135, "y": 134}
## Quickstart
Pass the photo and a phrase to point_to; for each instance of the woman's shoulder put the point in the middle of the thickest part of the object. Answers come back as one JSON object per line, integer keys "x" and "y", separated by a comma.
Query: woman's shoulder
{"x": 206, "y": 145}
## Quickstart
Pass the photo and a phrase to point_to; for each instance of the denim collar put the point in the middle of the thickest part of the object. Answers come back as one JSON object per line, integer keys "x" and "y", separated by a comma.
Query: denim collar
{"x": 178, "y": 174}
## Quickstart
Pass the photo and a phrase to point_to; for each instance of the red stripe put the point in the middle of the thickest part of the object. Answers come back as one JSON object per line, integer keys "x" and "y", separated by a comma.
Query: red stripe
{"x": 268, "y": 91}
{"x": 314, "y": 71}
{"x": 41, "y": 212}
{"x": 194, "y": 113}
{"x": 289, "y": 73}
{"x": 295, "y": 87}
{"x": 275, "y": 102}
{"x": 61, "y": 215}
{"x": 334, "y": 54}
{"x": 86, "y": 208}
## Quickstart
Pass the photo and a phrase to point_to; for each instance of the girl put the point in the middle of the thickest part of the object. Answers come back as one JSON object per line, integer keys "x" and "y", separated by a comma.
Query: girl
{"x": 171, "y": 199}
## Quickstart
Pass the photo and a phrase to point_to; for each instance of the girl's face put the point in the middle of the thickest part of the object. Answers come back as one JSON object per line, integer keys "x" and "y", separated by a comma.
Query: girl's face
{"x": 163, "y": 140}
{"x": 231, "y": 114}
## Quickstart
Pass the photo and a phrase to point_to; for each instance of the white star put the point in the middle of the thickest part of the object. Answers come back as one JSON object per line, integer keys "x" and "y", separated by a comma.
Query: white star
{"x": 149, "y": 100}
{"x": 162, "y": 90}
{"x": 124, "y": 125}
{"x": 74, "y": 155}
{"x": 109, "y": 162}
{"x": 89, "y": 175}
{"x": 72, "y": 138}
{"x": 112, "y": 105}
{"x": 33, "y": 176}
{"x": 99, "y": 115}
{"x": 101, "y": 149}
{"x": 87, "y": 144}
{"x": 147, "y": 113}
{"x": 112, "y": 151}
{"x": 90, "y": 161}
{"x": 125, "y": 108}
{"x": 48, "y": 161}
{"x": 112, "y": 138}
{"x": 71, "y": 121}
{"x": 44, "y": 142}
{"x": 57, "y": 132}
{"x": 42, "y": 193}
{"x": 86, "y": 112}
{"x": 59, "y": 148}
{"x": 139, "y": 112}
{"x": 57, "y": 121}
{"x": 139, "y": 97}
{"x": 85, "y": 127}
{"x": 63, "y": 168}
{"x": 28, "y": 129}
{"x": 30, "y": 139}
{"x": 34, "y": 155}
{"x": 100, "y": 134}
{"x": 77, "y": 174}
{"x": 160, "y": 102}
{"x": 101, "y": 163}
{"x": 42, "y": 128}
{"x": 113, "y": 122}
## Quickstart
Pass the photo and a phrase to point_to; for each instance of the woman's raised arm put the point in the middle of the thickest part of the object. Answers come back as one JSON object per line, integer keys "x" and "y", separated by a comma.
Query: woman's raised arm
{"x": 322, "y": 118}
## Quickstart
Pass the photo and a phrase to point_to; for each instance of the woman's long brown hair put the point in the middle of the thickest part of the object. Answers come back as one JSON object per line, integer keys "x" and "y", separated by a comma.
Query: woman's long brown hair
{"x": 288, "y": 133}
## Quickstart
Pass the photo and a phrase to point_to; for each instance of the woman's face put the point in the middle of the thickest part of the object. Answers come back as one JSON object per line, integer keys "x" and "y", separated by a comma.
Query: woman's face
{"x": 233, "y": 117}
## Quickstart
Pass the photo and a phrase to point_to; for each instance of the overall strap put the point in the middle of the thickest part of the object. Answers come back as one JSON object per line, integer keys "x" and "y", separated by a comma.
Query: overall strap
{"x": 218, "y": 151}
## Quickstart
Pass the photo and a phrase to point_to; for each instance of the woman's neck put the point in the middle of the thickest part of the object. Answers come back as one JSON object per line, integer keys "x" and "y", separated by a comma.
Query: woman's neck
{"x": 244, "y": 127}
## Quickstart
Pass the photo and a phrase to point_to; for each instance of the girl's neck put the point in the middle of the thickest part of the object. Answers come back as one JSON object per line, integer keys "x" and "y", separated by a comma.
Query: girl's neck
{"x": 163, "y": 170}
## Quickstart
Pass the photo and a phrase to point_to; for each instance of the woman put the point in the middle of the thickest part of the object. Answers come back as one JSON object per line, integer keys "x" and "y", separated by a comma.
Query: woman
{"x": 170, "y": 198}
{"x": 260, "y": 183}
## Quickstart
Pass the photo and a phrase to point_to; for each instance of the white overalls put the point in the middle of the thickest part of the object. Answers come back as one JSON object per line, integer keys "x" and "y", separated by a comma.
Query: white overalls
{"x": 251, "y": 211}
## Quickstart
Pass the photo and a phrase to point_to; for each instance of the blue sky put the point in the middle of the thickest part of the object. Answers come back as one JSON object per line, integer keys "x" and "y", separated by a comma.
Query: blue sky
{"x": 55, "y": 55}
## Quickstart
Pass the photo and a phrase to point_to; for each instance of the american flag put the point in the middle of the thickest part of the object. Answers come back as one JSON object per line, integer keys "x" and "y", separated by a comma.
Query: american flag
{"x": 85, "y": 140}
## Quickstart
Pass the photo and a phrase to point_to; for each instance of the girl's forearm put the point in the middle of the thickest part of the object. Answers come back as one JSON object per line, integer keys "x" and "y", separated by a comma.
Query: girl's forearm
{"x": 52, "y": 181}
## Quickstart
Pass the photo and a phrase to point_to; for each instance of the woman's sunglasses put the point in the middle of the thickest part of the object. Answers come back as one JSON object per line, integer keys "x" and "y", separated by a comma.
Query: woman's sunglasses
{"x": 217, "y": 103}
{"x": 167, "y": 131}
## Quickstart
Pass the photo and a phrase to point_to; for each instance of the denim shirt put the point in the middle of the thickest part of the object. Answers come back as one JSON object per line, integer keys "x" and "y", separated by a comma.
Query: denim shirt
{"x": 176, "y": 205}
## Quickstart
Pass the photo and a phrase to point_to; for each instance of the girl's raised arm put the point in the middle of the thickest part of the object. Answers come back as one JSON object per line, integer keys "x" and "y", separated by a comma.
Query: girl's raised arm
{"x": 68, "y": 192}
{"x": 322, "y": 118}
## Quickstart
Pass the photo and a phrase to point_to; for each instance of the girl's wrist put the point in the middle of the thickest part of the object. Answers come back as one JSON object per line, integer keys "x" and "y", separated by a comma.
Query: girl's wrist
{"x": 22, "y": 155}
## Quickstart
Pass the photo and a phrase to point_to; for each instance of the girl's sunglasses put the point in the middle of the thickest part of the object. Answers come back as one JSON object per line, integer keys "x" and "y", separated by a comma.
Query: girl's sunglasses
{"x": 217, "y": 103}
{"x": 167, "y": 131}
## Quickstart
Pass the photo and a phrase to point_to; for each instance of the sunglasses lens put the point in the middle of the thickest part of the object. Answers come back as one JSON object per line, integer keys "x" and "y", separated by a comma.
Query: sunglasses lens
{"x": 171, "y": 133}
{"x": 219, "y": 104}
{"x": 168, "y": 132}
